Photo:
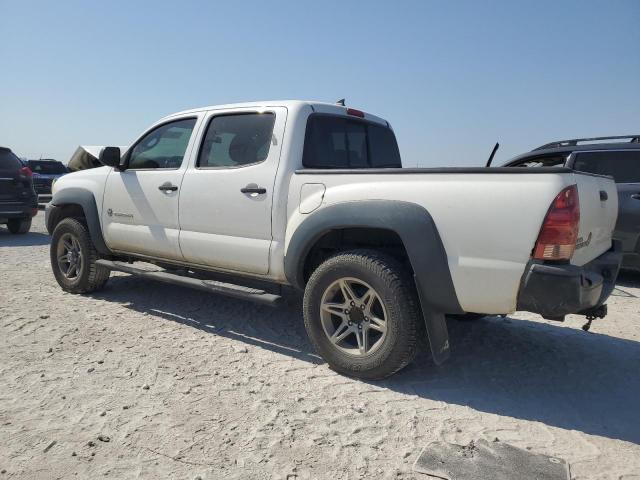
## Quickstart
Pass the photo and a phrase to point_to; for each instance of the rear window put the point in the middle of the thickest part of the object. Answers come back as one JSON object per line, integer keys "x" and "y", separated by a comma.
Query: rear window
{"x": 9, "y": 160}
{"x": 46, "y": 168}
{"x": 339, "y": 142}
{"x": 623, "y": 166}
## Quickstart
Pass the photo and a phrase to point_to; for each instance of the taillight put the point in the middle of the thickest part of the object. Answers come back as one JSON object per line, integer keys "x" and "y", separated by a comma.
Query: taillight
{"x": 559, "y": 232}
{"x": 25, "y": 172}
{"x": 355, "y": 113}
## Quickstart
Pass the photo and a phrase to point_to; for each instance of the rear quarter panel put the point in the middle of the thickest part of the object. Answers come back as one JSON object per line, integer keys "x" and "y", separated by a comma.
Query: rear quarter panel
{"x": 488, "y": 222}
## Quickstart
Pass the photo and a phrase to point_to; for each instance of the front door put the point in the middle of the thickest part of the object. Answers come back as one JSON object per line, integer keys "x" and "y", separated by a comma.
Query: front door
{"x": 140, "y": 207}
{"x": 226, "y": 199}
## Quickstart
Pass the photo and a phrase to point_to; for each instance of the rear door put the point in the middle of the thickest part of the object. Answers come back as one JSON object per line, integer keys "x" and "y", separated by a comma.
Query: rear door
{"x": 227, "y": 193}
{"x": 624, "y": 167}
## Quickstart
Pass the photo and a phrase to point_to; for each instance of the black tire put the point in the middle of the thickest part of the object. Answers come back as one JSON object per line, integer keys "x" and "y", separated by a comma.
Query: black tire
{"x": 19, "y": 225}
{"x": 90, "y": 277}
{"x": 395, "y": 292}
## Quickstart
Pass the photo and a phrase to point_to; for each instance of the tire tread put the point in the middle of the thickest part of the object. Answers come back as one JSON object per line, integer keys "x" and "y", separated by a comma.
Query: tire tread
{"x": 97, "y": 276}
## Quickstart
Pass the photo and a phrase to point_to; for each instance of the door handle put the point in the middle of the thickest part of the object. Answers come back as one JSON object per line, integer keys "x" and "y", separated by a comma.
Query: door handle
{"x": 603, "y": 196}
{"x": 253, "y": 188}
{"x": 636, "y": 196}
{"x": 168, "y": 187}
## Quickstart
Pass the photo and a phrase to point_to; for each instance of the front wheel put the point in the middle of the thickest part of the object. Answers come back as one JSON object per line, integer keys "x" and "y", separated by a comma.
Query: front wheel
{"x": 73, "y": 258}
{"x": 361, "y": 314}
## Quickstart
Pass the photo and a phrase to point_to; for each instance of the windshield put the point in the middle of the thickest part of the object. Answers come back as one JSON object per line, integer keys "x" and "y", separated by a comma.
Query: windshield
{"x": 544, "y": 161}
{"x": 46, "y": 168}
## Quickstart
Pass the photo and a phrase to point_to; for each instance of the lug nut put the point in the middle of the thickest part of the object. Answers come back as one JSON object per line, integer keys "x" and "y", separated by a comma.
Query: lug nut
{"x": 347, "y": 311}
{"x": 353, "y": 304}
{"x": 359, "y": 327}
{"x": 366, "y": 319}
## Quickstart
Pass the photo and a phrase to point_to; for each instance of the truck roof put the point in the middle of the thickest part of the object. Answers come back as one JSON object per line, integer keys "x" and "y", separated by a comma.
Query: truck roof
{"x": 322, "y": 107}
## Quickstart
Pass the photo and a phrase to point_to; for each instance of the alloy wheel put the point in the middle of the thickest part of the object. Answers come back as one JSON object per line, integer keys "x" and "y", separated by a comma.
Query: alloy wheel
{"x": 69, "y": 254}
{"x": 353, "y": 316}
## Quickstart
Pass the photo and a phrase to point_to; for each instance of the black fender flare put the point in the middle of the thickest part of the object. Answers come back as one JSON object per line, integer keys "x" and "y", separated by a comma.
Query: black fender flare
{"x": 86, "y": 200}
{"x": 419, "y": 234}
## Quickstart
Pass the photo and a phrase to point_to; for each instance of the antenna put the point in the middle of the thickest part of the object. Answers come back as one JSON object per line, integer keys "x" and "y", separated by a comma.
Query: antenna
{"x": 341, "y": 102}
{"x": 493, "y": 152}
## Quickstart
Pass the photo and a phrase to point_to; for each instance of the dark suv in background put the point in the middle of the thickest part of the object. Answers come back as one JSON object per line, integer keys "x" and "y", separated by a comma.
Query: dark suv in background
{"x": 45, "y": 171}
{"x": 18, "y": 200}
{"x": 618, "y": 157}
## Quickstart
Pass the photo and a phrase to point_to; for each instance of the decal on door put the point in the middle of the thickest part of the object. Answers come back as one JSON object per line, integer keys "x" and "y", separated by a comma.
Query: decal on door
{"x": 111, "y": 213}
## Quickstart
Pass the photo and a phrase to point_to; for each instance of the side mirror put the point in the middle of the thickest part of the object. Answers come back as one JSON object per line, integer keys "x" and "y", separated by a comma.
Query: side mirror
{"x": 110, "y": 156}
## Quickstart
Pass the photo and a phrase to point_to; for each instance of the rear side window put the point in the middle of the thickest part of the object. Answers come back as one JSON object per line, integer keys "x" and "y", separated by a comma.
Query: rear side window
{"x": 236, "y": 140}
{"x": 623, "y": 166}
{"x": 339, "y": 142}
{"x": 9, "y": 160}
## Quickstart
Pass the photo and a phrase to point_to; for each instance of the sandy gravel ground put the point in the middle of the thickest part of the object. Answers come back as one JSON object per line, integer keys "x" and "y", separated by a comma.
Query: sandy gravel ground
{"x": 145, "y": 380}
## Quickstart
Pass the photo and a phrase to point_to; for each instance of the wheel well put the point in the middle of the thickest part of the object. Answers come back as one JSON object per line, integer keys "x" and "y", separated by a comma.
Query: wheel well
{"x": 343, "y": 239}
{"x": 72, "y": 210}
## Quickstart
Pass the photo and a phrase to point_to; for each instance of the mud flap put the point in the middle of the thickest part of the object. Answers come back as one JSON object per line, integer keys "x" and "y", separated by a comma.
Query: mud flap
{"x": 437, "y": 331}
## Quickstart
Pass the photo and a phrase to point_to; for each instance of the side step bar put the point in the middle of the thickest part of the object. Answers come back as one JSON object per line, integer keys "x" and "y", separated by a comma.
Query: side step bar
{"x": 213, "y": 286}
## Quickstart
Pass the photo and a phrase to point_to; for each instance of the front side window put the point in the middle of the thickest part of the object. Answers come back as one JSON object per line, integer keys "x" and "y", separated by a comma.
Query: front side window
{"x": 333, "y": 141}
{"x": 623, "y": 166}
{"x": 236, "y": 140}
{"x": 163, "y": 147}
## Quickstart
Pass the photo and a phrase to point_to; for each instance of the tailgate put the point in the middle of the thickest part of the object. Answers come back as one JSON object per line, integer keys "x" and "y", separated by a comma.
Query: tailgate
{"x": 8, "y": 184}
{"x": 598, "y": 213}
{"x": 9, "y": 175}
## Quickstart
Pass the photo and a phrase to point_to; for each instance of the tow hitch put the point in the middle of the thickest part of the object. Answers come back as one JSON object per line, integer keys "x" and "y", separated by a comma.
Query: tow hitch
{"x": 592, "y": 314}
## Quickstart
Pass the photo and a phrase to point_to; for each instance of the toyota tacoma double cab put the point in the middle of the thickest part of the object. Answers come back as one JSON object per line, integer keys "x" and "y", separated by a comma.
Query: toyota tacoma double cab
{"x": 256, "y": 199}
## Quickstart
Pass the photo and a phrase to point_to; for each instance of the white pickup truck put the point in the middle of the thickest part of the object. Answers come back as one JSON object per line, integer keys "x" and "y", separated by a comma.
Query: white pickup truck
{"x": 251, "y": 199}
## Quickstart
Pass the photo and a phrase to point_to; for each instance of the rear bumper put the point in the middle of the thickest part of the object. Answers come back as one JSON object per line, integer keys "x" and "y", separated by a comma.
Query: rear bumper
{"x": 9, "y": 210}
{"x": 631, "y": 261}
{"x": 631, "y": 256}
{"x": 554, "y": 291}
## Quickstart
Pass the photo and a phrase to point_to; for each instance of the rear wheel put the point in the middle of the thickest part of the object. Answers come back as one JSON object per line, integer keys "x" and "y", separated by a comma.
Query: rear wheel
{"x": 73, "y": 258}
{"x": 19, "y": 225}
{"x": 361, "y": 314}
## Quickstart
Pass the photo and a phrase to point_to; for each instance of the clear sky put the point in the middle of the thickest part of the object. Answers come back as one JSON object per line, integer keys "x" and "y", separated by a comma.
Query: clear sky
{"x": 452, "y": 77}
